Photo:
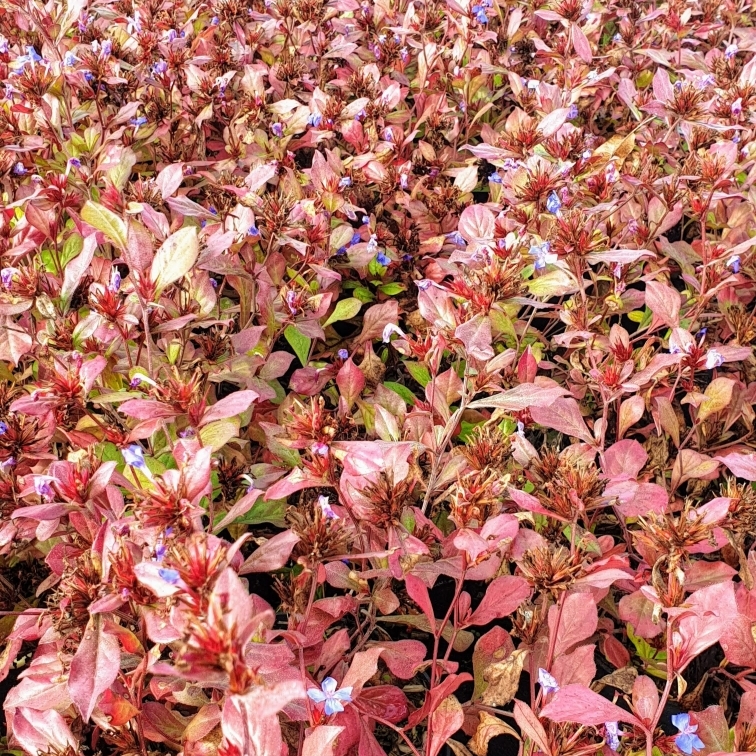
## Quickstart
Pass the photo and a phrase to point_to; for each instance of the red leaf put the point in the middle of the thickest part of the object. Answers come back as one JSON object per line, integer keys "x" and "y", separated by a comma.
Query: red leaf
{"x": 579, "y": 704}
{"x": 402, "y": 657}
{"x": 94, "y": 667}
{"x": 350, "y": 380}
{"x": 645, "y": 698}
{"x": 418, "y": 592}
{"x": 503, "y": 596}
{"x": 476, "y": 336}
{"x": 563, "y": 415}
{"x": 384, "y": 701}
{"x": 38, "y": 731}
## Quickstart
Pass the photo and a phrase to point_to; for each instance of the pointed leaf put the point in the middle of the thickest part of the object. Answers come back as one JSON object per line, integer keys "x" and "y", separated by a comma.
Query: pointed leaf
{"x": 576, "y": 703}
{"x": 104, "y": 220}
{"x": 175, "y": 258}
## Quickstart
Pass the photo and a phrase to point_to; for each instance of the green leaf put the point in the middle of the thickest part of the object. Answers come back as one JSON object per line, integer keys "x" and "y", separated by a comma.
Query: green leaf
{"x": 299, "y": 343}
{"x": 392, "y": 289}
{"x": 99, "y": 217}
{"x": 344, "y": 310}
{"x": 175, "y": 258}
{"x": 419, "y": 372}
{"x": 216, "y": 435}
{"x": 363, "y": 294}
{"x": 403, "y": 391}
{"x": 71, "y": 249}
{"x": 262, "y": 511}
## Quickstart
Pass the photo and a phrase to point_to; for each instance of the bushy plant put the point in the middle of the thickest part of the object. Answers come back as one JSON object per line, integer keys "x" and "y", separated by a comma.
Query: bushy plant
{"x": 377, "y": 378}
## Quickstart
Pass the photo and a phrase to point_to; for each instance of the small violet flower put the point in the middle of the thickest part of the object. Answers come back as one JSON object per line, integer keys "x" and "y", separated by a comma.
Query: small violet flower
{"x": 713, "y": 359}
{"x": 572, "y": 113}
{"x": 18, "y": 169}
{"x": 456, "y": 238}
{"x": 139, "y": 121}
{"x": 553, "y": 203}
{"x": 345, "y": 182}
{"x": 6, "y": 277}
{"x": 343, "y": 354}
{"x": 734, "y": 263}
{"x": 314, "y": 120}
{"x": 42, "y": 488}
{"x": 495, "y": 178}
{"x": 319, "y": 449}
{"x": 382, "y": 259}
{"x": 277, "y": 129}
{"x": 115, "y": 282}
{"x": 3, "y": 428}
{"x": 333, "y": 700}
{"x": 253, "y": 231}
{"x": 612, "y": 734}
{"x": 160, "y": 68}
{"x": 737, "y": 107}
{"x": 687, "y": 741}
{"x": 134, "y": 456}
{"x": 542, "y": 254}
{"x": 69, "y": 60}
{"x": 731, "y": 51}
{"x": 325, "y": 507}
{"x": 547, "y": 682}
{"x": 133, "y": 25}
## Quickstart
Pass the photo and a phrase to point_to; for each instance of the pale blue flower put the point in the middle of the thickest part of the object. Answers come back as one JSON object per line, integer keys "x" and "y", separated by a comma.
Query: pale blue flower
{"x": 134, "y": 456}
{"x": 713, "y": 359}
{"x": 687, "y": 741}
{"x": 553, "y": 203}
{"x": 333, "y": 700}
{"x": 547, "y": 682}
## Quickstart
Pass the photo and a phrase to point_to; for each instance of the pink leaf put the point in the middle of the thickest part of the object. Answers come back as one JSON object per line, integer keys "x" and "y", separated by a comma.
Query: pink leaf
{"x": 625, "y": 458}
{"x": 272, "y": 555}
{"x": 320, "y": 740}
{"x": 402, "y": 657}
{"x": 690, "y": 465}
{"x": 663, "y": 300}
{"x": 444, "y": 722}
{"x": 169, "y": 179}
{"x": 645, "y": 698}
{"x": 638, "y": 499}
{"x": 94, "y": 667}
{"x": 579, "y": 704}
{"x": 230, "y": 406}
{"x": 563, "y": 415}
{"x": 521, "y": 397}
{"x": 475, "y": 334}
{"x": 741, "y": 465}
{"x": 502, "y": 597}
{"x": 581, "y": 44}
{"x": 42, "y": 731}
{"x": 554, "y": 121}
{"x": 631, "y": 410}
{"x": 578, "y": 622}
{"x": 662, "y": 86}
{"x": 477, "y": 223}
{"x": 531, "y": 726}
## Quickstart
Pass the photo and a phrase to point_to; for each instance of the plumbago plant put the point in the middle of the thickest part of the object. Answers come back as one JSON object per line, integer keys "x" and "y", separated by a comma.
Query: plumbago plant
{"x": 377, "y": 378}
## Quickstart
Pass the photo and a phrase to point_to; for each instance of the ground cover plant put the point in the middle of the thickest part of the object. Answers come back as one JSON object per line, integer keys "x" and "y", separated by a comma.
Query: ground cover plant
{"x": 377, "y": 378}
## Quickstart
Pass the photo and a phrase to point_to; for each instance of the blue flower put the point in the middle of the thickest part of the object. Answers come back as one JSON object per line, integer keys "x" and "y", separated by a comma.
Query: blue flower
{"x": 3, "y": 428}
{"x": 572, "y": 113}
{"x": 687, "y": 741}
{"x": 18, "y": 169}
{"x": 342, "y": 354}
{"x": 381, "y": 259}
{"x": 553, "y": 203}
{"x": 74, "y": 162}
{"x": 547, "y": 682}
{"x": 734, "y": 263}
{"x": 215, "y": 20}
{"x": 134, "y": 456}
{"x": 69, "y": 60}
{"x": 133, "y": 25}
{"x": 314, "y": 119}
{"x": 42, "y": 488}
{"x": 160, "y": 68}
{"x": 341, "y": 251}
{"x": 345, "y": 182}
{"x": 139, "y": 121}
{"x": 731, "y": 51}
{"x": 543, "y": 256}
{"x": 277, "y": 129}
{"x": 456, "y": 238}
{"x": 332, "y": 699}
{"x": 32, "y": 56}
{"x": 253, "y": 230}
{"x": 482, "y": 17}
{"x": 3, "y": 45}
{"x": 170, "y": 576}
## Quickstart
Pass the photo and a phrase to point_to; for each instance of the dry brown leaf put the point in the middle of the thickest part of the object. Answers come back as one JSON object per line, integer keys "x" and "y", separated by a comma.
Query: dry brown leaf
{"x": 618, "y": 146}
{"x": 623, "y": 679}
{"x": 489, "y": 727}
{"x": 503, "y": 679}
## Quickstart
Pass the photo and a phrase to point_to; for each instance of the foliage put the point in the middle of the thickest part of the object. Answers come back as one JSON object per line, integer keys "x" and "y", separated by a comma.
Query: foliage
{"x": 377, "y": 378}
